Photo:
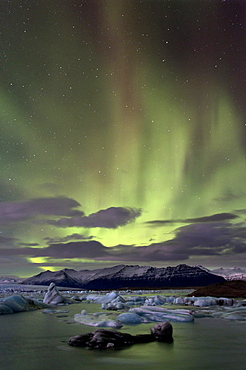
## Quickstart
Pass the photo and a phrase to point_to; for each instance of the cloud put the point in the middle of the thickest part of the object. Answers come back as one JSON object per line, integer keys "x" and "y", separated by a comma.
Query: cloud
{"x": 30, "y": 244}
{"x": 110, "y": 218}
{"x": 74, "y": 236}
{"x": 34, "y": 210}
{"x": 20, "y": 211}
{"x": 18, "y": 251}
{"x": 7, "y": 240}
{"x": 213, "y": 218}
{"x": 199, "y": 239}
{"x": 83, "y": 249}
{"x": 209, "y": 239}
{"x": 193, "y": 240}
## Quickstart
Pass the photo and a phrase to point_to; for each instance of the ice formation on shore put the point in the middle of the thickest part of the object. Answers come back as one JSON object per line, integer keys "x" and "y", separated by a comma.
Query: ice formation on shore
{"x": 130, "y": 307}
{"x": 149, "y": 309}
{"x": 18, "y": 303}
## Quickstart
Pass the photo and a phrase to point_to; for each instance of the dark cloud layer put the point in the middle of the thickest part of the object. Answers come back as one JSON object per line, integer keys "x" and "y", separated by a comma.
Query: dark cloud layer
{"x": 110, "y": 218}
{"x": 213, "y": 235}
{"x": 198, "y": 239}
{"x": 67, "y": 238}
{"x": 7, "y": 240}
{"x": 31, "y": 210}
{"x": 213, "y": 218}
{"x": 20, "y": 211}
{"x": 83, "y": 249}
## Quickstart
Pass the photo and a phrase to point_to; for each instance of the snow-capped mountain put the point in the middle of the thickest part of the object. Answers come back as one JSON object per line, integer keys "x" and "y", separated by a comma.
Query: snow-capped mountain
{"x": 233, "y": 273}
{"x": 124, "y": 276}
{"x": 10, "y": 280}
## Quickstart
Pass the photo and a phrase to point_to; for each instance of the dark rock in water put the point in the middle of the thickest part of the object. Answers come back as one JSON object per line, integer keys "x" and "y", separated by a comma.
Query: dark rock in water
{"x": 162, "y": 332}
{"x": 103, "y": 338}
{"x": 229, "y": 289}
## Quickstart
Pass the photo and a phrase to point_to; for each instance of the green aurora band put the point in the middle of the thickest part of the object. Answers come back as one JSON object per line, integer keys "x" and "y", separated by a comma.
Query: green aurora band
{"x": 138, "y": 104}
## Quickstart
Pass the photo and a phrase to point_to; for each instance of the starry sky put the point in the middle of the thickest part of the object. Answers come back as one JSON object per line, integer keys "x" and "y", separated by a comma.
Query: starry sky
{"x": 123, "y": 134}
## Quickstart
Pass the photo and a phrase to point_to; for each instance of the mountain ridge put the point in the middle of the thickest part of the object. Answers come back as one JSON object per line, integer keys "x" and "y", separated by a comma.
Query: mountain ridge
{"x": 127, "y": 276}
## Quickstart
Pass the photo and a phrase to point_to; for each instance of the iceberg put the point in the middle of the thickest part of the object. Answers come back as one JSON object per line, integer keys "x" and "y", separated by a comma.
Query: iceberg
{"x": 237, "y": 313}
{"x": 114, "y": 300}
{"x": 155, "y": 301}
{"x": 52, "y": 311}
{"x": 155, "y": 314}
{"x": 117, "y": 303}
{"x": 18, "y": 303}
{"x": 208, "y": 301}
{"x": 205, "y": 301}
{"x": 109, "y": 297}
{"x": 98, "y": 320}
{"x": 179, "y": 300}
{"x": 54, "y": 297}
{"x": 130, "y": 318}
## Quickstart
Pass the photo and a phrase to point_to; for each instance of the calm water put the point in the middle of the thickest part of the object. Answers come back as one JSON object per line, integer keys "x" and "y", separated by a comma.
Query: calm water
{"x": 37, "y": 341}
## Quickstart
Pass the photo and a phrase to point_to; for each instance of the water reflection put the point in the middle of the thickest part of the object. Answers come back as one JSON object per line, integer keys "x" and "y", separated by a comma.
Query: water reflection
{"x": 35, "y": 341}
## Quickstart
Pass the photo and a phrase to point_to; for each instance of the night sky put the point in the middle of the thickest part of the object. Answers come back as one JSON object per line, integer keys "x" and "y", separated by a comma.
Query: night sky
{"x": 123, "y": 134}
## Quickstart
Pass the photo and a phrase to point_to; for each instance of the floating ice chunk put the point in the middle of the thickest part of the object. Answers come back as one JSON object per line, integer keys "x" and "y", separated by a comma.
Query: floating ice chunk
{"x": 179, "y": 300}
{"x": 109, "y": 297}
{"x": 120, "y": 306}
{"x": 201, "y": 303}
{"x": 18, "y": 303}
{"x": 115, "y": 304}
{"x": 111, "y": 301}
{"x": 155, "y": 301}
{"x": 158, "y": 314}
{"x": 51, "y": 311}
{"x": 135, "y": 300}
{"x": 205, "y": 301}
{"x": 54, "y": 297}
{"x": 130, "y": 318}
{"x": 149, "y": 302}
{"x": 98, "y": 320}
{"x": 170, "y": 299}
{"x": 92, "y": 297}
{"x": 109, "y": 324}
{"x": 236, "y": 314}
{"x": 118, "y": 299}
{"x": 5, "y": 310}
{"x": 159, "y": 300}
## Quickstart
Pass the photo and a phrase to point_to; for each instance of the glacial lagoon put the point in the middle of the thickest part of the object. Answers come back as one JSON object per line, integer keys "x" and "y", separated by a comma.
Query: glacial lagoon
{"x": 38, "y": 341}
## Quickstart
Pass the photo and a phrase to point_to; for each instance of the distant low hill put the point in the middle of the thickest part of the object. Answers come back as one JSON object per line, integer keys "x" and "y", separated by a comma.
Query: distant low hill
{"x": 125, "y": 276}
{"x": 229, "y": 289}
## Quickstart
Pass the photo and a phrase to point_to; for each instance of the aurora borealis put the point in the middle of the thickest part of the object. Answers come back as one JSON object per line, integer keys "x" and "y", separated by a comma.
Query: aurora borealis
{"x": 123, "y": 134}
